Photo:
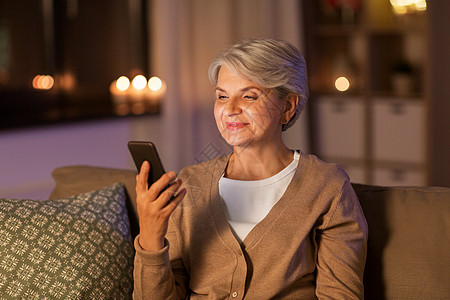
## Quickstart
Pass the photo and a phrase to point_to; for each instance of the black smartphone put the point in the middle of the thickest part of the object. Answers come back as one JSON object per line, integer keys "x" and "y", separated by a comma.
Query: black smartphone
{"x": 146, "y": 151}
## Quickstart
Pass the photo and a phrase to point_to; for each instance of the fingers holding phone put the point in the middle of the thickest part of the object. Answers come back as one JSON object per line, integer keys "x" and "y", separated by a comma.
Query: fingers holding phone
{"x": 166, "y": 182}
{"x": 155, "y": 204}
{"x": 142, "y": 178}
{"x": 157, "y": 193}
{"x": 172, "y": 195}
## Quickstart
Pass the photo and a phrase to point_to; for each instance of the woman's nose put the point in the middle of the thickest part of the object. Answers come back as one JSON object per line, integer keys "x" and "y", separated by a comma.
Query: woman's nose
{"x": 233, "y": 106}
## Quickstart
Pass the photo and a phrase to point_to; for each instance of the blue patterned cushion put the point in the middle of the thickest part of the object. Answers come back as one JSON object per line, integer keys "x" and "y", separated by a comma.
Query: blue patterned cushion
{"x": 75, "y": 248}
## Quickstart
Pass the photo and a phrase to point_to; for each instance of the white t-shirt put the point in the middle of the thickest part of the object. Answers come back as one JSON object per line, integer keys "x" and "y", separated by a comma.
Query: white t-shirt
{"x": 248, "y": 202}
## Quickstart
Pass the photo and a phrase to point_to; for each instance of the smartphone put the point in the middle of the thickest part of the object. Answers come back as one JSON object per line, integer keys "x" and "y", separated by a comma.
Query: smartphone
{"x": 146, "y": 151}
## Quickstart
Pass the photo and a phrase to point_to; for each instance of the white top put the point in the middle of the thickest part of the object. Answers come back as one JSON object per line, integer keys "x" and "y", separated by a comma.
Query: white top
{"x": 249, "y": 201}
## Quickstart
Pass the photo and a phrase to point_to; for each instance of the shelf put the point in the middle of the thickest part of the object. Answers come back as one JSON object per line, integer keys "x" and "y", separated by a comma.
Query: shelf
{"x": 390, "y": 97}
{"x": 393, "y": 164}
{"x": 377, "y": 128}
{"x": 337, "y": 31}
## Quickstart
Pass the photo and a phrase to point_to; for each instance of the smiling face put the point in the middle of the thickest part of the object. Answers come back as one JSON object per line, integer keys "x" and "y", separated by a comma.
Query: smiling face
{"x": 246, "y": 114}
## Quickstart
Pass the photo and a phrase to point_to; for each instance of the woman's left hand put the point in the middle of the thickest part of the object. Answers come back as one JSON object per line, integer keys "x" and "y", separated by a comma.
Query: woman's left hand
{"x": 155, "y": 205}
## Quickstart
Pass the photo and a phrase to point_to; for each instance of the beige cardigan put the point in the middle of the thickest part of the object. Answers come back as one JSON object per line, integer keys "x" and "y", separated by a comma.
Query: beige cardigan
{"x": 312, "y": 244}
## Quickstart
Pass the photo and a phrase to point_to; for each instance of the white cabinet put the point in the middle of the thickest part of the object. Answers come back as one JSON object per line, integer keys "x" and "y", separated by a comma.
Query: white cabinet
{"x": 399, "y": 130}
{"x": 378, "y": 142}
{"x": 399, "y": 139}
{"x": 340, "y": 127}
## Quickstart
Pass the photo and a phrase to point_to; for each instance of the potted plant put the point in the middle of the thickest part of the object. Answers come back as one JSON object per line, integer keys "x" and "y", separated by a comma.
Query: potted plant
{"x": 402, "y": 78}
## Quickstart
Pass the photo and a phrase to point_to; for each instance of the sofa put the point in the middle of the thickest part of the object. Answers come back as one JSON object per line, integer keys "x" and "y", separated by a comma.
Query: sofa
{"x": 45, "y": 254}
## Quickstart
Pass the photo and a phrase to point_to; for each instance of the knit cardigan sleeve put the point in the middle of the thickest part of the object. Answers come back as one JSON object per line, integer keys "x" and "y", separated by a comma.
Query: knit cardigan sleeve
{"x": 342, "y": 242}
{"x": 158, "y": 277}
{"x": 162, "y": 274}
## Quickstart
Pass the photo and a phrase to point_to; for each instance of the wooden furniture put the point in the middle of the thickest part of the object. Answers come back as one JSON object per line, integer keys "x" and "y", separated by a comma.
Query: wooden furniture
{"x": 377, "y": 128}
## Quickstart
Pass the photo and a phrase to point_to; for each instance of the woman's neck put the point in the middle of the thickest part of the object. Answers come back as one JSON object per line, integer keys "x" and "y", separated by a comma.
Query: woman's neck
{"x": 247, "y": 163}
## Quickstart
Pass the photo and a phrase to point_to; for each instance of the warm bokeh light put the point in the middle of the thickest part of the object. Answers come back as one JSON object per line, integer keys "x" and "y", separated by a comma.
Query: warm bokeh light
{"x": 123, "y": 83}
{"x": 138, "y": 108}
{"x": 43, "y": 82}
{"x": 4, "y": 75}
{"x": 67, "y": 81}
{"x": 139, "y": 82}
{"x": 138, "y": 96}
{"x": 154, "y": 84}
{"x": 402, "y": 7}
{"x": 122, "y": 109}
{"x": 342, "y": 84}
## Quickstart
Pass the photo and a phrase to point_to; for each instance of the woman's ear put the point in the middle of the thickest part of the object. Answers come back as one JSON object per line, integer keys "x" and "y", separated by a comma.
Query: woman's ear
{"x": 290, "y": 108}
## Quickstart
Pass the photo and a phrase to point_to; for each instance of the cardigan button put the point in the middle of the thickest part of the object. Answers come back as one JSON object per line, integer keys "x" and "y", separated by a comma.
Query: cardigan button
{"x": 235, "y": 294}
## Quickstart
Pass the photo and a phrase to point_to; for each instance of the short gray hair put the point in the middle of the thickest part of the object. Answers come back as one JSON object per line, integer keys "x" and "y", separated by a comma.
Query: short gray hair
{"x": 270, "y": 63}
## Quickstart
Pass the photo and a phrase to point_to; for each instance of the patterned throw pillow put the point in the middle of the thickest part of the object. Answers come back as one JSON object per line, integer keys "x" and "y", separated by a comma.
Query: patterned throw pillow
{"x": 75, "y": 248}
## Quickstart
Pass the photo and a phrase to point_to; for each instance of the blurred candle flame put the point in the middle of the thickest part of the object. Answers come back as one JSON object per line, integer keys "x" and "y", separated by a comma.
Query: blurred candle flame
{"x": 137, "y": 96}
{"x": 154, "y": 83}
{"x": 139, "y": 82}
{"x": 123, "y": 83}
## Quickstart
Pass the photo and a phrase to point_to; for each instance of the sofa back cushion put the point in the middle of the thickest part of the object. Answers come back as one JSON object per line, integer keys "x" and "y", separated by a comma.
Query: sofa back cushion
{"x": 73, "y": 180}
{"x": 409, "y": 240}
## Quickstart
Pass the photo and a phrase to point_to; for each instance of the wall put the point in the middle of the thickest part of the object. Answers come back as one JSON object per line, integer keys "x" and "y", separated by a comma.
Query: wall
{"x": 439, "y": 91}
{"x": 28, "y": 156}
{"x": 185, "y": 36}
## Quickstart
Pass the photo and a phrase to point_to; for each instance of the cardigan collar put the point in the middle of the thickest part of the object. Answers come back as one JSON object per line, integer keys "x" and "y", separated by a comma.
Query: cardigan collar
{"x": 218, "y": 206}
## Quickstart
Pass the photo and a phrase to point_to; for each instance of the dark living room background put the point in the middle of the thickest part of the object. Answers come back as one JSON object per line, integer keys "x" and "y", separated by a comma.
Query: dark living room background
{"x": 60, "y": 61}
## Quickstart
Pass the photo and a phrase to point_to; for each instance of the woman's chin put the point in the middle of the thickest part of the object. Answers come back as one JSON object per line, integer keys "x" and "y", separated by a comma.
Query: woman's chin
{"x": 231, "y": 139}
{"x": 236, "y": 141}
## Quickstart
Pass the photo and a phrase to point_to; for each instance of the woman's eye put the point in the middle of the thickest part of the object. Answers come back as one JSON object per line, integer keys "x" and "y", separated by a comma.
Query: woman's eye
{"x": 251, "y": 97}
{"x": 221, "y": 97}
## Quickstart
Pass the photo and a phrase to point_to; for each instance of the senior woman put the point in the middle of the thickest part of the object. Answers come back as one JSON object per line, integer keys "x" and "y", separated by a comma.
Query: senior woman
{"x": 263, "y": 222}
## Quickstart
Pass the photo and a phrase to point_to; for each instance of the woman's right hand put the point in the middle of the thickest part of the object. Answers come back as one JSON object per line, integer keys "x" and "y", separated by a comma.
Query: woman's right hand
{"x": 154, "y": 207}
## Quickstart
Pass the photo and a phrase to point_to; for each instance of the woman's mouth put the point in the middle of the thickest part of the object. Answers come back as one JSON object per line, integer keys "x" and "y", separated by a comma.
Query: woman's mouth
{"x": 235, "y": 125}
